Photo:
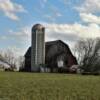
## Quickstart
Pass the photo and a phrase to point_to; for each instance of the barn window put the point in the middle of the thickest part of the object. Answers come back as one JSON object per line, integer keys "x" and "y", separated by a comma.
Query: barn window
{"x": 60, "y": 63}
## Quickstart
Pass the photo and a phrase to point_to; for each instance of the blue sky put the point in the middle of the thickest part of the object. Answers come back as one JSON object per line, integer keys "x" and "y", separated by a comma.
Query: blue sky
{"x": 68, "y": 20}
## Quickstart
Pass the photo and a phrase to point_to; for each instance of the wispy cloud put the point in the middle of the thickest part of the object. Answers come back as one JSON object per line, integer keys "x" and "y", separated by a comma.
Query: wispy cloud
{"x": 78, "y": 30}
{"x": 89, "y": 6}
{"x": 88, "y": 12}
{"x": 55, "y": 10}
{"x": 22, "y": 36}
{"x": 42, "y": 3}
{"x": 63, "y": 31}
{"x": 50, "y": 18}
{"x": 69, "y": 33}
{"x": 10, "y": 9}
{"x": 54, "y": 13}
{"x": 90, "y": 18}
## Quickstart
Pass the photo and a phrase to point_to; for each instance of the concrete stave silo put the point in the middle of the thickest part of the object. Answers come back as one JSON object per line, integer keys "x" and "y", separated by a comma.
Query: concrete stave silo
{"x": 38, "y": 47}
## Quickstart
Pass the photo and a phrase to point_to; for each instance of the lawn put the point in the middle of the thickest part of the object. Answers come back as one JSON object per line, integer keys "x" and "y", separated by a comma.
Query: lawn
{"x": 47, "y": 86}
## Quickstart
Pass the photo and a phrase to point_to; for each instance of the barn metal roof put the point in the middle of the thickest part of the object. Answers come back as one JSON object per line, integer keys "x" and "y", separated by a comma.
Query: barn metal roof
{"x": 47, "y": 45}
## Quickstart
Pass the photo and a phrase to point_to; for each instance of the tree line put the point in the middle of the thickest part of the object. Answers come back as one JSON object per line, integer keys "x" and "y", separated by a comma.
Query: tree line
{"x": 87, "y": 52}
{"x": 10, "y": 58}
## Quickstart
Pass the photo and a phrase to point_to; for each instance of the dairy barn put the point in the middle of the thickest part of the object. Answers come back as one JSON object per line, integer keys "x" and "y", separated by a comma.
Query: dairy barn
{"x": 57, "y": 55}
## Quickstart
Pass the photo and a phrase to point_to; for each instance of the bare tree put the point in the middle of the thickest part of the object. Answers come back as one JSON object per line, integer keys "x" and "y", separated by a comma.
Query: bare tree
{"x": 8, "y": 57}
{"x": 87, "y": 52}
{"x": 1, "y": 55}
{"x": 21, "y": 62}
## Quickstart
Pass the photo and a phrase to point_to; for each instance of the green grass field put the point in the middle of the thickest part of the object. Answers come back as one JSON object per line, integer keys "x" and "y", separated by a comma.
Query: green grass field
{"x": 46, "y": 86}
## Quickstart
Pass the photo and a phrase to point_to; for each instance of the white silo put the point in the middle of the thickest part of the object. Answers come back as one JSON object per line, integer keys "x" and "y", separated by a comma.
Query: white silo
{"x": 38, "y": 47}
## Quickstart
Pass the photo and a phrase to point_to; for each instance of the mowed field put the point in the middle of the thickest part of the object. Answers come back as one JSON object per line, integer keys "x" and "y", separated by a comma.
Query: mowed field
{"x": 47, "y": 86}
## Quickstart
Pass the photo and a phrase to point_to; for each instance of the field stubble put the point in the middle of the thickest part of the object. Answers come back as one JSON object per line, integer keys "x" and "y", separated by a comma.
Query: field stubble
{"x": 47, "y": 86}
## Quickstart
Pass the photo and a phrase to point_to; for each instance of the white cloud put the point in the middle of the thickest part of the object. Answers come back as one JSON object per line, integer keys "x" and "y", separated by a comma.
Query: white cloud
{"x": 23, "y": 36}
{"x": 58, "y": 14}
{"x": 68, "y": 33}
{"x": 11, "y": 16}
{"x": 71, "y": 33}
{"x": 18, "y": 51}
{"x": 89, "y": 10}
{"x": 82, "y": 31}
{"x": 10, "y": 9}
{"x": 22, "y": 33}
{"x": 90, "y": 18}
{"x": 89, "y": 6}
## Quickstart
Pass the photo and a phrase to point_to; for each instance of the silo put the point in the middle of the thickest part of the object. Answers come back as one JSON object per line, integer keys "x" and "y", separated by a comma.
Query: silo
{"x": 38, "y": 47}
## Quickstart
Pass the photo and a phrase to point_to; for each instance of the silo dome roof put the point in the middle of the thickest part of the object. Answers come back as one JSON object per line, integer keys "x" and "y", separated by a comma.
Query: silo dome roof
{"x": 38, "y": 26}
